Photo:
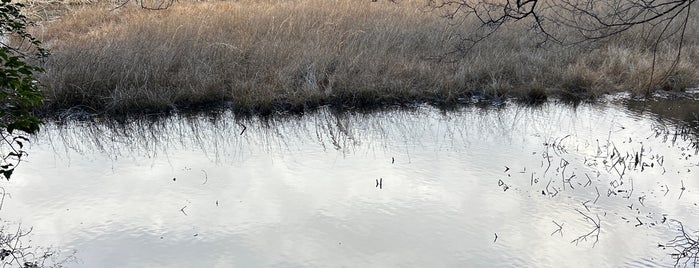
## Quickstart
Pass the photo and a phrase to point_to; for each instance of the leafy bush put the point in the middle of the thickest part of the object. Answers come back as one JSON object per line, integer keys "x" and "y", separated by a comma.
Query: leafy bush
{"x": 19, "y": 92}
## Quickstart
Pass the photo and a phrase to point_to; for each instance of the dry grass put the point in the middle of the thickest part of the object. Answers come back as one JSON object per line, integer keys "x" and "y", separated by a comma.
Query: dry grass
{"x": 265, "y": 55}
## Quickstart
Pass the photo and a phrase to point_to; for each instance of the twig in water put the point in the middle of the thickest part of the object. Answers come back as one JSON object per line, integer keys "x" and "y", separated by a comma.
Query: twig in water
{"x": 559, "y": 230}
{"x": 620, "y": 160}
{"x": 682, "y": 192}
{"x": 594, "y": 233}
{"x": 2, "y": 201}
{"x": 569, "y": 183}
{"x": 206, "y": 177}
{"x": 182, "y": 209}
{"x": 503, "y": 185}
{"x": 548, "y": 159}
{"x": 589, "y": 181}
{"x": 630, "y": 192}
{"x": 547, "y": 187}
{"x": 563, "y": 164}
{"x": 244, "y": 128}
{"x": 585, "y": 205}
{"x": 685, "y": 244}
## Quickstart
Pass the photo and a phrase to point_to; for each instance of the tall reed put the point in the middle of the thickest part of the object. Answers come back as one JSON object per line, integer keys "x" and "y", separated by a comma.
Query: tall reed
{"x": 269, "y": 55}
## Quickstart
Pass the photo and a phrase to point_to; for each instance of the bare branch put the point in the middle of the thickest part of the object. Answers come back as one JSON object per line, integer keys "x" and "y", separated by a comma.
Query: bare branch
{"x": 593, "y": 234}
{"x": 574, "y": 22}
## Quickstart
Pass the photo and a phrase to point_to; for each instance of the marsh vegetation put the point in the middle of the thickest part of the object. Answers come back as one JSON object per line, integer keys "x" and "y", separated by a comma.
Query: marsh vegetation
{"x": 265, "y": 56}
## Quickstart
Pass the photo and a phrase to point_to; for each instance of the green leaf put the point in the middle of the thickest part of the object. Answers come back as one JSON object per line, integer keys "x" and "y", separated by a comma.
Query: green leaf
{"x": 19, "y": 92}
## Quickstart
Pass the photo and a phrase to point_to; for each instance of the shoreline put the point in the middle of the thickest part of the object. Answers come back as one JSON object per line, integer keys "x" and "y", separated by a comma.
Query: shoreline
{"x": 215, "y": 108}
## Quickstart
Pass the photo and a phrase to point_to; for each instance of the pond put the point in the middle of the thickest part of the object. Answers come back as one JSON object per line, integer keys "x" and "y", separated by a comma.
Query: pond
{"x": 592, "y": 185}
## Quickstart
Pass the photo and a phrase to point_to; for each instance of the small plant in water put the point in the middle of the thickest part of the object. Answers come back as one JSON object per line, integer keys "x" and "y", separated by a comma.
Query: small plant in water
{"x": 16, "y": 252}
{"x": 685, "y": 244}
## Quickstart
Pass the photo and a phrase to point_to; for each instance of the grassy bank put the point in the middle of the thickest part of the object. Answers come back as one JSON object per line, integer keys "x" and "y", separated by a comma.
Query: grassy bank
{"x": 260, "y": 56}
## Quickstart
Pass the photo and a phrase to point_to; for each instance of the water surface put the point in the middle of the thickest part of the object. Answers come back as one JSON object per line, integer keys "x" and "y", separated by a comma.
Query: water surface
{"x": 476, "y": 187}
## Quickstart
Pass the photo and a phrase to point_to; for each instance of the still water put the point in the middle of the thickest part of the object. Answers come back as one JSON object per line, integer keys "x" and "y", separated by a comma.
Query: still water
{"x": 597, "y": 185}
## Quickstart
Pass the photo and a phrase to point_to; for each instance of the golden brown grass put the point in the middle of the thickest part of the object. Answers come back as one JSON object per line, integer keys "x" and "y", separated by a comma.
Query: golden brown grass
{"x": 269, "y": 55}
